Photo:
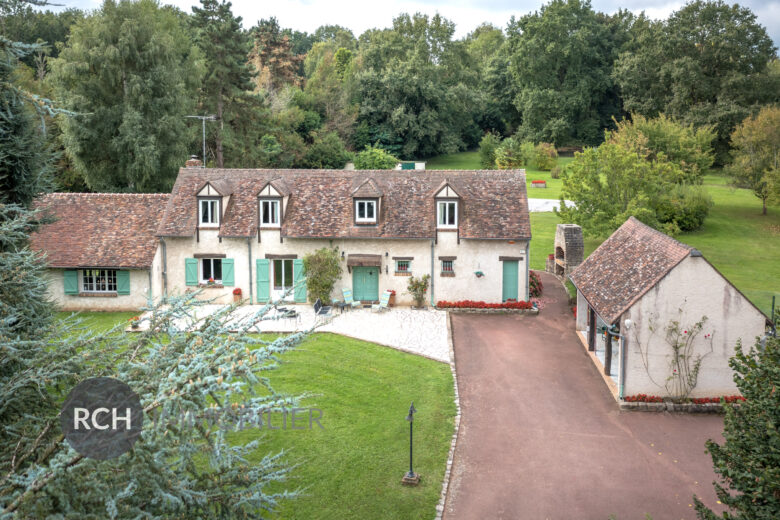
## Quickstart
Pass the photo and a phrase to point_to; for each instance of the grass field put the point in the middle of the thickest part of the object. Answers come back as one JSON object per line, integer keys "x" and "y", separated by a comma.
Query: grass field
{"x": 470, "y": 161}
{"x": 353, "y": 467}
{"x": 740, "y": 242}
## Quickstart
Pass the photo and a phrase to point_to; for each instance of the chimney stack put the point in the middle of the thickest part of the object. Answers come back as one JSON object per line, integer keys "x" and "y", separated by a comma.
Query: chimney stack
{"x": 193, "y": 162}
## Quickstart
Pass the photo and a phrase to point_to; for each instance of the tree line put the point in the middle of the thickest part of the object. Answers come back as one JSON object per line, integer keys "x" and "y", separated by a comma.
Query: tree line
{"x": 131, "y": 71}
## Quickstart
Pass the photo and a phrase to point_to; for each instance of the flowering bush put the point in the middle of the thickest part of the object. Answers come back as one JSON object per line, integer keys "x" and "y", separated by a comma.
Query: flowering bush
{"x": 470, "y": 304}
{"x": 643, "y": 398}
{"x": 727, "y": 398}
{"x": 536, "y": 286}
{"x": 237, "y": 291}
{"x": 135, "y": 318}
{"x": 551, "y": 256}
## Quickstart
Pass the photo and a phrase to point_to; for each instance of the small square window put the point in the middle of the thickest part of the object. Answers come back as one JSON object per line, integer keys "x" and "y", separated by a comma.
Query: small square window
{"x": 447, "y": 266}
{"x": 269, "y": 212}
{"x": 211, "y": 270}
{"x": 365, "y": 211}
{"x": 403, "y": 266}
{"x": 209, "y": 212}
{"x": 98, "y": 280}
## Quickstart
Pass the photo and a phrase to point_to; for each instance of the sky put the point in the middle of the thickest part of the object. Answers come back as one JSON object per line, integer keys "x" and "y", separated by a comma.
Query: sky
{"x": 359, "y": 15}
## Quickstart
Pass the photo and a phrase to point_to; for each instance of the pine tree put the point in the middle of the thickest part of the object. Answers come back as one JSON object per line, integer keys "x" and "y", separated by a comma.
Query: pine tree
{"x": 131, "y": 72}
{"x": 228, "y": 75}
{"x": 748, "y": 462}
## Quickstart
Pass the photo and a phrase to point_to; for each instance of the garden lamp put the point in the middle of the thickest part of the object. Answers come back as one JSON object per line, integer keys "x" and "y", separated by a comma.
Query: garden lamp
{"x": 411, "y": 478}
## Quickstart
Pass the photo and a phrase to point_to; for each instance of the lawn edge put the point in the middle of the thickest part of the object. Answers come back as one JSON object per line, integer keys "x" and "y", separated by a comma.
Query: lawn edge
{"x": 448, "y": 472}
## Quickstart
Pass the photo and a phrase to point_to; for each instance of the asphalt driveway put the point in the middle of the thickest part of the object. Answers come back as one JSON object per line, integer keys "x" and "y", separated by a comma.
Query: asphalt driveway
{"x": 542, "y": 438}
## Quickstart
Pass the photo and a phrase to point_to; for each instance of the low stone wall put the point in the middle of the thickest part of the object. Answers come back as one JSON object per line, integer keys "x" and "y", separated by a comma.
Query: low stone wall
{"x": 671, "y": 407}
{"x": 532, "y": 312}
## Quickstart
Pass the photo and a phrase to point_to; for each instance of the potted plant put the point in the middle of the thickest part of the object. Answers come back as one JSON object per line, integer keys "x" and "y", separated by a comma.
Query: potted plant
{"x": 391, "y": 300}
{"x": 211, "y": 281}
{"x": 417, "y": 287}
{"x": 237, "y": 294}
{"x": 135, "y": 322}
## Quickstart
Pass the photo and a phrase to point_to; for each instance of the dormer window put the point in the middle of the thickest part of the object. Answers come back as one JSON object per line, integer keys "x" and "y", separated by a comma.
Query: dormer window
{"x": 269, "y": 212}
{"x": 208, "y": 212}
{"x": 365, "y": 211}
{"x": 447, "y": 213}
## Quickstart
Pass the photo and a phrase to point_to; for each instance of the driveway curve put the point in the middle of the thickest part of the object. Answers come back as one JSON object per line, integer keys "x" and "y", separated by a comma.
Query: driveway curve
{"x": 542, "y": 438}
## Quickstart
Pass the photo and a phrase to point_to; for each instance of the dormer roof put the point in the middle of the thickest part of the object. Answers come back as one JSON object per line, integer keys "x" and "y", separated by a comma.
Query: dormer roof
{"x": 217, "y": 187}
{"x": 445, "y": 190}
{"x": 367, "y": 189}
{"x": 275, "y": 188}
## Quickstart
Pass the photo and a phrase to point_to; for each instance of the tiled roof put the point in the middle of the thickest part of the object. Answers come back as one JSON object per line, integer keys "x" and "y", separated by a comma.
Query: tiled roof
{"x": 493, "y": 204}
{"x": 627, "y": 265}
{"x": 100, "y": 229}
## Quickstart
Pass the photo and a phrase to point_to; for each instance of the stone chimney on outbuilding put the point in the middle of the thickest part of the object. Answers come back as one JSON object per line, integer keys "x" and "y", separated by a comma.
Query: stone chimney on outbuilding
{"x": 193, "y": 162}
{"x": 569, "y": 250}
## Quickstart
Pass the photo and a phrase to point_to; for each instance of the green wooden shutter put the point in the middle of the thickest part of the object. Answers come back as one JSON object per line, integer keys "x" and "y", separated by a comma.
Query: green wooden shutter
{"x": 298, "y": 275}
{"x": 263, "y": 280}
{"x": 71, "y": 279}
{"x": 228, "y": 273}
{"x": 123, "y": 282}
{"x": 191, "y": 271}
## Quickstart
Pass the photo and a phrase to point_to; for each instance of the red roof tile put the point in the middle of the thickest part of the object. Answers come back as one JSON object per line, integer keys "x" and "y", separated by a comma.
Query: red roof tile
{"x": 100, "y": 229}
{"x": 493, "y": 205}
{"x": 627, "y": 265}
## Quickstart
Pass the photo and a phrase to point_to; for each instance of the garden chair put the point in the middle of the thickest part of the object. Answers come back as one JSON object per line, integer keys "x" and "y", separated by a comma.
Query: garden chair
{"x": 348, "y": 300}
{"x": 383, "y": 301}
{"x": 320, "y": 309}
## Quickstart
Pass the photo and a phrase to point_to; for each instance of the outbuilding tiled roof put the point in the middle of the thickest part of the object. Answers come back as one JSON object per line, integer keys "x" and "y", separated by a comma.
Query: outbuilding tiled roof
{"x": 493, "y": 204}
{"x": 100, "y": 229}
{"x": 627, "y": 265}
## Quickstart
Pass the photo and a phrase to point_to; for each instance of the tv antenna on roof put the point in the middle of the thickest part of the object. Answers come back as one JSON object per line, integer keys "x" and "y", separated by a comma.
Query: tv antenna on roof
{"x": 203, "y": 119}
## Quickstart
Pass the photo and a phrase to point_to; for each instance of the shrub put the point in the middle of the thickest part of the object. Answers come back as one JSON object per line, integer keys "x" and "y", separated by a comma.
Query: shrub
{"x": 684, "y": 207}
{"x": 327, "y": 151}
{"x": 512, "y": 153}
{"x": 487, "y": 150}
{"x": 323, "y": 269}
{"x": 555, "y": 173}
{"x": 536, "y": 287}
{"x": 545, "y": 156}
{"x": 374, "y": 158}
{"x": 471, "y": 304}
{"x": 417, "y": 287}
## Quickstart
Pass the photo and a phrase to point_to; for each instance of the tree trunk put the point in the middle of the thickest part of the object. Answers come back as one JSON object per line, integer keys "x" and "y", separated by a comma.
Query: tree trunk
{"x": 218, "y": 138}
{"x": 763, "y": 212}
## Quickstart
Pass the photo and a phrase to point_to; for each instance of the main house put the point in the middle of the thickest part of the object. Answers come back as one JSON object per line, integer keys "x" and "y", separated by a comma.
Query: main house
{"x": 640, "y": 293}
{"x": 223, "y": 229}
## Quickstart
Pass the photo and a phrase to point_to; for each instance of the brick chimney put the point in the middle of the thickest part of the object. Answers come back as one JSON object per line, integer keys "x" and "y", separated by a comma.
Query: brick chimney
{"x": 193, "y": 162}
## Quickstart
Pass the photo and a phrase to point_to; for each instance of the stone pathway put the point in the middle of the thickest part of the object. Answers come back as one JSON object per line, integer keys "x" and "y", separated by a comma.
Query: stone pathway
{"x": 541, "y": 205}
{"x": 422, "y": 332}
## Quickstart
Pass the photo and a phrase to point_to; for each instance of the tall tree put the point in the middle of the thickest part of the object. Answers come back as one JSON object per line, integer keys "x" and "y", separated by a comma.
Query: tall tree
{"x": 131, "y": 72}
{"x": 706, "y": 65}
{"x": 748, "y": 461}
{"x": 224, "y": 47}
{"x": 272, "y": 56}
{"x": 756, "y": 153}
{"x": 561, "y": 64}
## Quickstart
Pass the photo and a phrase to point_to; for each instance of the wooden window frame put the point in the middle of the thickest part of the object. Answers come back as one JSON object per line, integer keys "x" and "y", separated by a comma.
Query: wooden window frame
{"x": 446, "y": 203}
{"x": 95, "y": 274}
{"x": 365, "y": 221}
{"x": 218, "y": 206}
{"x": 201, "y": 279}
{"x": 277, "y": 201}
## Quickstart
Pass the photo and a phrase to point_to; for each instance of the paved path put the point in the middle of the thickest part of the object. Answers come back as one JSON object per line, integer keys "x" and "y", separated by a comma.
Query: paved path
{"x": 541, "y": 437}
{"x": 421, "y": 332}
{"x": 539, "y": 205}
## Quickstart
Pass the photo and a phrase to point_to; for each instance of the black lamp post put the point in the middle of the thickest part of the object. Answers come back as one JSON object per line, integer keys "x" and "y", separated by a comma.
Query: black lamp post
{"x": 411, "y": 478}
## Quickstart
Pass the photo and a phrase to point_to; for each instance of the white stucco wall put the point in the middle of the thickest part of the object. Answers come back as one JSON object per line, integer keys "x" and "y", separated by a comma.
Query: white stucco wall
{"x": 699, "y": 290}
{"x": 136, "y": 300}
{"x": 582, "y": 312}
{"x": 472, "y": 255}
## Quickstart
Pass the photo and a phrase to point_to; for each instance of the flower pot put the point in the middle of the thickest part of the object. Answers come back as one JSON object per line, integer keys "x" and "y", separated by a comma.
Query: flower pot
{"x": 135, "y": 325}
{"x": 237, "y": 298}
{"x": 391, "y": 300}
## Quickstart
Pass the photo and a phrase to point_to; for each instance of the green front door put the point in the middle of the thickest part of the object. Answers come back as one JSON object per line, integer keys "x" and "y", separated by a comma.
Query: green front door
{"x": 509, "y": 284}
{"x": 365, "y": 283}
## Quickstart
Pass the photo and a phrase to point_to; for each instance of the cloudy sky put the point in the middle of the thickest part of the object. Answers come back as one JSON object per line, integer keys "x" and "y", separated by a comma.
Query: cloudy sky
{"x": 359, "y": 15}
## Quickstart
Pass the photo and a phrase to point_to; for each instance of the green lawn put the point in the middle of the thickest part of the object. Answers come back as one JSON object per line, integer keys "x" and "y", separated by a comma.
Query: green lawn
{"x": 470, "y": 161}
{"x": 353, "y": 468}
{"x": 101, "y": 321}
{"x": 740, "y": 242}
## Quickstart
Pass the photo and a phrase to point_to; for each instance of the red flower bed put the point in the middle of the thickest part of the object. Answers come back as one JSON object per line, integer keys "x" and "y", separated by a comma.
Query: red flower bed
{"x": 469, "y": 304}
{"x": 536, "y": 286}
{"x": 643, "y": 398}
{"x": 727, "y": 398}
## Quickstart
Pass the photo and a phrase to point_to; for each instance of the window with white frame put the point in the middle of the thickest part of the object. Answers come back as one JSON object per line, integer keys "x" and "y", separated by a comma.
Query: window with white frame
{"x": 365, "y": 211}
{"x": 403, "y": 266}
{"x": 209, "y": 212}
{"x": 211, "y": 270}
{"x": 447, "y": 266}
{"x": 269, "y": 212}
{"x": 98, "y": 280}
{"x": 447, "y": 213}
